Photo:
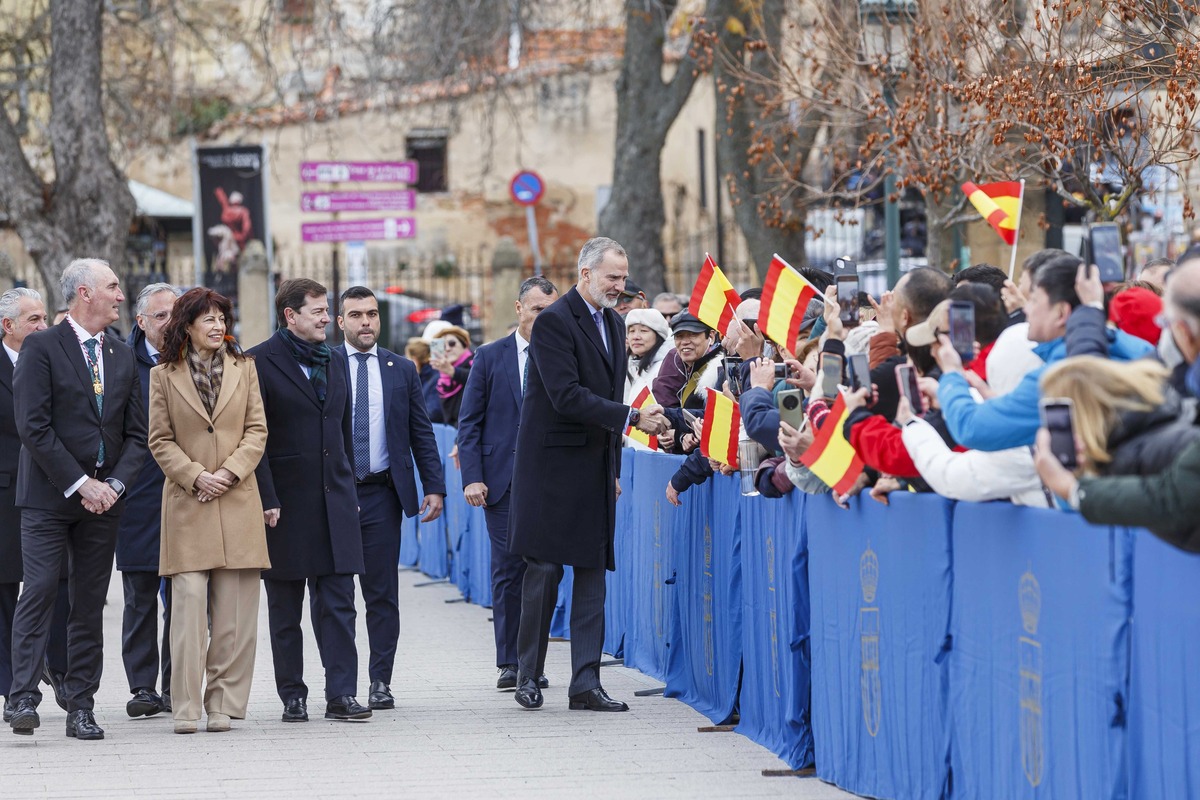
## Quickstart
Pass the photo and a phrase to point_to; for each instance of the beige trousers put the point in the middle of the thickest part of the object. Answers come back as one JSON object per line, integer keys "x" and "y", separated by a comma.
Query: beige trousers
{"x": 224, "y": 656}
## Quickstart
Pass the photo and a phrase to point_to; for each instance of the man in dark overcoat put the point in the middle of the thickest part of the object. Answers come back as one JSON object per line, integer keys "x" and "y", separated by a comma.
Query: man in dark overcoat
{"x": 565, "y": 479}
{"x": 309, "y": 501}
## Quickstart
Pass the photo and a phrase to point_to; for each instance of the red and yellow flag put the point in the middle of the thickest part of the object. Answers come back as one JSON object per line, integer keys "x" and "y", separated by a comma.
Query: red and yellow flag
{"x": 643, "y": 399}
{"x": 999, "y": 204}
{"x": 713, "y": 298}
{"x": 719, "y": 434}
{"x": 786, "y": 295}
{"x": 830, "y": 456}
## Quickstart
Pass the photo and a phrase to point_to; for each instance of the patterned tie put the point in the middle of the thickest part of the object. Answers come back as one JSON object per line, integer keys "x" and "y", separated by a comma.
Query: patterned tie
{"x": 362, "y": 421}
{"x": 599, "y": 317}
{"x": 525, "y": 372}
{"x": 157, "y": 357}
{"x": 92, "y": 346}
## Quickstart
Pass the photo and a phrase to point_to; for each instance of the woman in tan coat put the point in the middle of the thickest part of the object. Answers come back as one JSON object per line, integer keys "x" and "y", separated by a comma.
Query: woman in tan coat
{"x": 208, "y": 432}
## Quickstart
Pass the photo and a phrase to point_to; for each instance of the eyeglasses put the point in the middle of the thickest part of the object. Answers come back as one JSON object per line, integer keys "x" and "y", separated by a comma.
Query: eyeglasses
{"x": 159, "y": 317}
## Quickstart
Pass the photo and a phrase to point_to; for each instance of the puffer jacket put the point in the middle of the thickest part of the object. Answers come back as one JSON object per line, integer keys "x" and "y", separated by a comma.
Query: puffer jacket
{"x": 1147, "y": 442}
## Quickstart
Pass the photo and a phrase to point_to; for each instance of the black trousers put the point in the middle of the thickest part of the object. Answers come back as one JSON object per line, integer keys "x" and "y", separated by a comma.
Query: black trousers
{"x": 47, "y": 537}
{"x": 56, "y": 650}
{"x": 380, "y": 516}
{"x": 139, "y": 631}
{"x": 508, "y": 571}
{"x": 331, "y": 605}
{"x": 538, "y": 598}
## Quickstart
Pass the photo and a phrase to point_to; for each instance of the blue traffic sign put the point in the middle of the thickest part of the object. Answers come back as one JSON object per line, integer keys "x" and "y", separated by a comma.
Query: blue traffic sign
{"x": 527, "y": 187}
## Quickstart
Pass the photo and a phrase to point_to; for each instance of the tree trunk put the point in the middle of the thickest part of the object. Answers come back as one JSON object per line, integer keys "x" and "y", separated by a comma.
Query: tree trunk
{"x": 646, "y": 108}
{"x": 86, "y": 211}
{"x": 939, "y": 235}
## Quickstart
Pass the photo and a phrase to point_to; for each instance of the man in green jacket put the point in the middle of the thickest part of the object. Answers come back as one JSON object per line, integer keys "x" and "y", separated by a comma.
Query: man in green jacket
{"x": 1168, "y": 503}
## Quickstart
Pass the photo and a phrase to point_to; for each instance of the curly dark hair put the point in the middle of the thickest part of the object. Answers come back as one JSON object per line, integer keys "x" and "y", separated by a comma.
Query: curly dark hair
{"x": 188, "y": 308}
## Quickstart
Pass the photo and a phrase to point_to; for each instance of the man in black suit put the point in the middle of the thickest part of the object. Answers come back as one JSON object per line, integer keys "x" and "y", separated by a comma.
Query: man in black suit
{"x": 83, "y": 434}
{"x": 389, "y": 430}
{"x": 487, "y": 442}
{"x": 309, "y": 502}
{"x": 21, "y": 313}
{"x": 140, "y": 531}
{"x": 565, "y": 479}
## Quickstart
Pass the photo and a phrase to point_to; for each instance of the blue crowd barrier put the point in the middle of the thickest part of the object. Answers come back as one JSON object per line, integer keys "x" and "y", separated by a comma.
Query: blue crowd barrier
{"x": 1040, "y": 655}
{"x": 926, "y": 649}
{"x": 705, "y": 653}
{"x": 774, "y": 699}
{"x": 880, "y": 580}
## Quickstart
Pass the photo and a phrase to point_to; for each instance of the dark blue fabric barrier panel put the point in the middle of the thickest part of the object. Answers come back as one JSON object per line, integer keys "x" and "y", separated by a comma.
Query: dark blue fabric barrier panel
{"x": 1164, "y": 703}
{"x": 705, "y": 658}
{"x": 647, "y": 559}
{"x": 455, "y": 511}
{"x": 432, "y": 538}
{"x": 774, "y": 700}
{"x": 880, "y": 582}
{"x": 619, "y": 595}
{"x": 1040, "y": 655}
{"x": 473, "y": 559}
{"x": 410, "y": 548}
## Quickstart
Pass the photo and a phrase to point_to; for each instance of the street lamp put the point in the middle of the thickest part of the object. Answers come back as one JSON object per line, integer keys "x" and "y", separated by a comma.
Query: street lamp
{"x": 885, "y": 31}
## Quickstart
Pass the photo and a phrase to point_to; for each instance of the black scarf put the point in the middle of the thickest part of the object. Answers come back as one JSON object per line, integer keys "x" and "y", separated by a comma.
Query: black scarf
{"x": 313, "y": 356}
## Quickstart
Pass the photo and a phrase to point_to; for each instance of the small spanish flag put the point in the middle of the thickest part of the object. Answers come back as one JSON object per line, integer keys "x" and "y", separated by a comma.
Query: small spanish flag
{"x": 719, "y": 434}
{"x": 786, "y": 295}
{"x": 999, "y": 204}
{"x": 830, "y": 456}
{"x": 643, "y": 399}
{"x": 713, "y": 298}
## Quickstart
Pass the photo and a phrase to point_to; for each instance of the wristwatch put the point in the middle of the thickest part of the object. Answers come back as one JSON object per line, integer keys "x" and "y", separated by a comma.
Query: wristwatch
{"x": 635, "y": 416}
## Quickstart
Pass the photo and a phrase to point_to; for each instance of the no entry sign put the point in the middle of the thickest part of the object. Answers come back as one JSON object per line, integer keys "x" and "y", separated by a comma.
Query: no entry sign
{"x": 527, "y": 187}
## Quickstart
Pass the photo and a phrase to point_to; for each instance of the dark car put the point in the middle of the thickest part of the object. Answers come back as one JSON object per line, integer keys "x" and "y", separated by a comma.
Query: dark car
{"x": 405, "y": 315}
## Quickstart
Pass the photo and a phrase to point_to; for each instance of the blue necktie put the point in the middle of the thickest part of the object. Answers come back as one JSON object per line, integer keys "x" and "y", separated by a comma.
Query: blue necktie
{"x": 599, "y": 317}
{"x": 525, "y": 373}
{"x": 362, "y": 419}
{"x": 98, "y": 388}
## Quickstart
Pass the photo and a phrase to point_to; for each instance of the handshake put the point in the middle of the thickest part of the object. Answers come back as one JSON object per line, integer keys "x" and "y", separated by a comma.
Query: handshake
{"x": 653, "y": 421}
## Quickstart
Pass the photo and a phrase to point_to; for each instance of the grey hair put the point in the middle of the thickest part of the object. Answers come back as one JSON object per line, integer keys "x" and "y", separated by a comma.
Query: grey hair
{"x": 536, "y": 282}
{"x": 10, "y": 301}
{"x": 143, "y": 298}
{"x": 595, "y": 249}
{"x": 668, "y": 296}
{"x": 79, "y": 273}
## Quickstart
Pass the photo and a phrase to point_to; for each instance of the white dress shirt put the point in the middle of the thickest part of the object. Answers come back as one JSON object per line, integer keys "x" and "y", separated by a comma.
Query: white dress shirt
{"x": 522, "y": 357}
{"x": 379, "y": 452}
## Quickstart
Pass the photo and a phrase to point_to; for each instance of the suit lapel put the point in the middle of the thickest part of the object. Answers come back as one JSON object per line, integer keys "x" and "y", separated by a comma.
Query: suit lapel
{"x": 230, "y": 379}
{"x": 387, "y": 377}
{"x": 70, "y": 345}
{"x": 583, "y": 316}
{"x": 289, "y": 366}
{"x": 510, "y": 364}
{"x": 181, "y": 378}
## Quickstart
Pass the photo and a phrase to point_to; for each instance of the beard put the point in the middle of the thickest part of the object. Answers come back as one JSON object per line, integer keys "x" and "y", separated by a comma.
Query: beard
{"x": 600, "y": 299}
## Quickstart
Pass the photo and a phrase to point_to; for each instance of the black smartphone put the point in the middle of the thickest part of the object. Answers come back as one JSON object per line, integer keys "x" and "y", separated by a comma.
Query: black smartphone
{"x": 858, "y": 369}
{"x": 1058, "y": 415}
{"x": 1102, "y": 247}
{"x": 847, "y": 296}
{"x": 962, "y": 329}
{"x": 906, "y": 379}
{"x": 844, "y": 265}
{"x": 733, "y": 374}
{"x": 791, "y": 407}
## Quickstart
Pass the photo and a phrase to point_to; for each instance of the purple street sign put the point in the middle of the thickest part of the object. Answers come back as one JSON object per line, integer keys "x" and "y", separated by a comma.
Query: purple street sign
{"x": 398, "y": 200}
{"x": 354, "y": 230}
{"x": 367, "y": 171}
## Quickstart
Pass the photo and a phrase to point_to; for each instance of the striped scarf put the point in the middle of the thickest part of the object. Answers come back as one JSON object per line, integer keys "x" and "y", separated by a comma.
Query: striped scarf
{"x": 207, "y": 378}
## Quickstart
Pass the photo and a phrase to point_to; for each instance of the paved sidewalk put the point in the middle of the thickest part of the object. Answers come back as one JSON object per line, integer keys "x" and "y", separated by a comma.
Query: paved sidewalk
{"x": 452, "y": 735}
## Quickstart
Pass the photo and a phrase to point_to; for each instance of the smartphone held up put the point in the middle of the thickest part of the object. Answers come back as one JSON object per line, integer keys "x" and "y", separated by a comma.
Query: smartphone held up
{"x": 1058, "y": 417}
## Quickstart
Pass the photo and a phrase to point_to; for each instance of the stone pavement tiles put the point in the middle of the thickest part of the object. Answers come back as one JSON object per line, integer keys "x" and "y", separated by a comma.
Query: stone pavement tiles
{"x": 451, "y": 735}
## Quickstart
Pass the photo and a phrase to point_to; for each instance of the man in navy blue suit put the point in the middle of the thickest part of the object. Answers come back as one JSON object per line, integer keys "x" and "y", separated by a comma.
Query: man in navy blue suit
{"x": 487, "y": 442}
{"x": 390, "y": 430}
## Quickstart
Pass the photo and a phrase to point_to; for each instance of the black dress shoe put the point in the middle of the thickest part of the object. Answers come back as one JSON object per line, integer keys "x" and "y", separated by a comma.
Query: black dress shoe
{"x": 166, "y": 701}
{"x": 9, "y": 708}
{"x": 144, "y": 703}
{"x": 507, "y": 679}
{"x": 543, "y": 681}
{"x": 81, "y": 724}
{"x": 381, "y": 696}
{"x": 24, "y": 717}
{"x": 55, "y": 679}
{"x": 528, "y": 694}
{"x": 596, "y": 700}
{"x": 295, "y": 710}
{"x": 346, "y": 708}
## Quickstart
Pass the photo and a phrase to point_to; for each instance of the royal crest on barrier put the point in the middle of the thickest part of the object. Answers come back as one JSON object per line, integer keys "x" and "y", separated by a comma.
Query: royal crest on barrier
{"x": 868, "y": 622}
{"x": 1029, "y": 597}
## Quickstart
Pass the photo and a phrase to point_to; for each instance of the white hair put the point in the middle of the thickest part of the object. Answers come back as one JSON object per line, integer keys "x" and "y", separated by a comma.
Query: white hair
{"x": 143, "y": 298}
{"x": 595, "y": 249}
{"x": 10, "y": 301}
{"x": 80, "y": 272}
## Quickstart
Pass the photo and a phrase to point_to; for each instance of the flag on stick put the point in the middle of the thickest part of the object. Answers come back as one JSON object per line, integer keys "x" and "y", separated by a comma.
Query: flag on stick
{"x": 643, "y": 399}
{"x": 786, "y": 295}
{"x": 713, "y": 298}
{"x": 719, "y": 434}
{"x": 830, "y": 456}
{"x": 999, "y": 204}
